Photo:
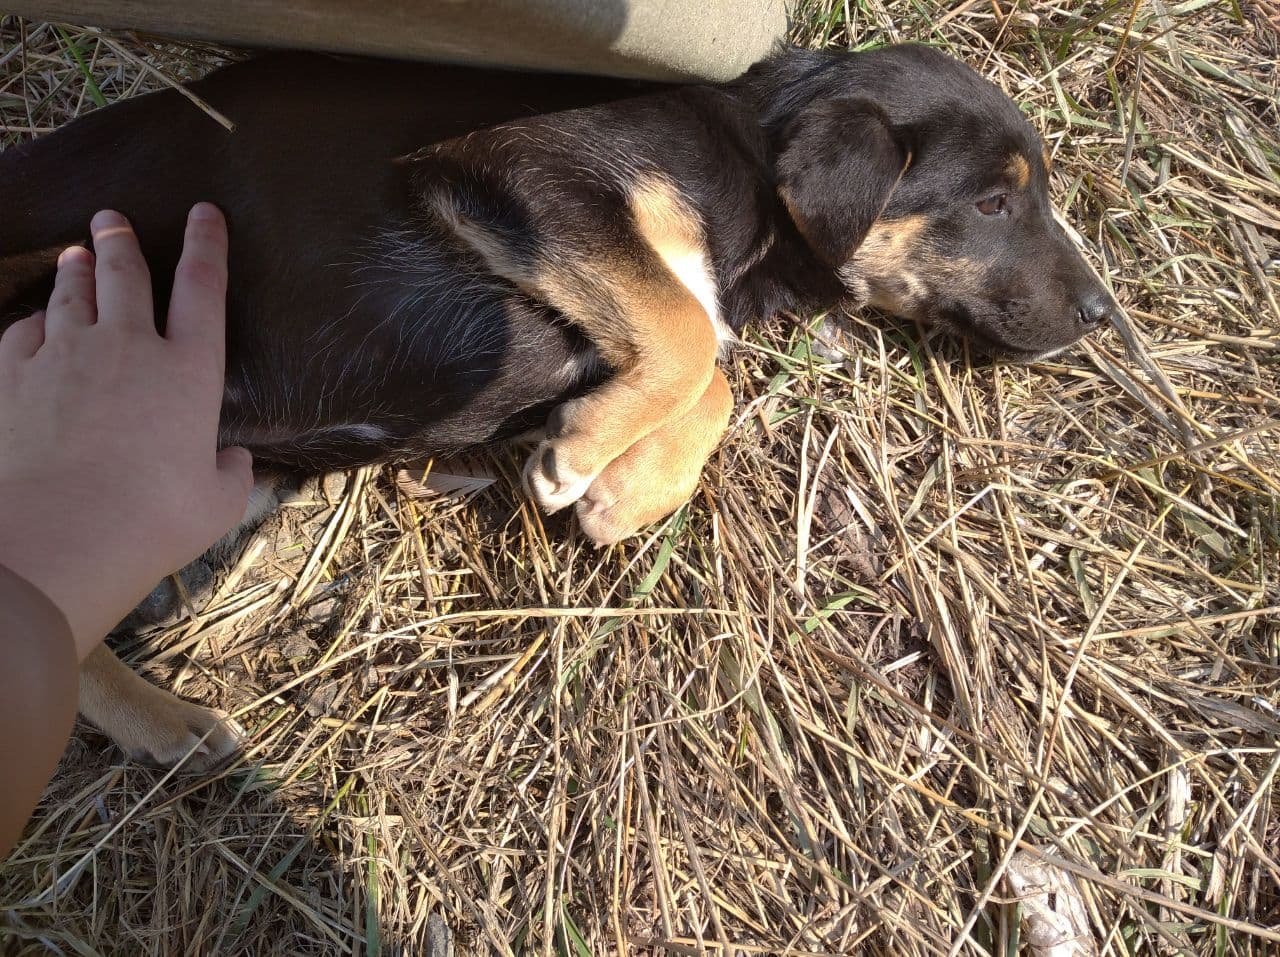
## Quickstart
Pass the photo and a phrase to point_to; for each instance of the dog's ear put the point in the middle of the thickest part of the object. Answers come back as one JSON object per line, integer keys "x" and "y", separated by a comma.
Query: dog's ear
{"x": 839, "y": 162}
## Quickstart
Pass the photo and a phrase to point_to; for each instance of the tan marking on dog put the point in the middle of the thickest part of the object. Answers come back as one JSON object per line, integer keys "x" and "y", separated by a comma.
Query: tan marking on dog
{"x": 672, "y": 230}
{"x": 885, "y": 266}
{"x": 890, "y": 242}
{"x": 896, "y": 270}
{"x": 1019, "y": 171}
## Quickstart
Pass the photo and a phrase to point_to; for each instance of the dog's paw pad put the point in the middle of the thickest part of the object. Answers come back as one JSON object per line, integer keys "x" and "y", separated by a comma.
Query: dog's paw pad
{"x": 550, "y": 482}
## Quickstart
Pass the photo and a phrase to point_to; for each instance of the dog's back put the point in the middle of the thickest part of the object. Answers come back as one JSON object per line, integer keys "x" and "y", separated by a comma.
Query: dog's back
{"x": 319, "y": 259}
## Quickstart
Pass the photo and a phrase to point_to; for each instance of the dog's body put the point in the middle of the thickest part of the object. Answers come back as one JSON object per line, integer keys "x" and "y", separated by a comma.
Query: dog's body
{"x": 427, "y": 258}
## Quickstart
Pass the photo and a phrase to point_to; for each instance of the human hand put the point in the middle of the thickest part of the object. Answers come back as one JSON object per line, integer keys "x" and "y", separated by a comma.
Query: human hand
{"x": 110, "y": 477}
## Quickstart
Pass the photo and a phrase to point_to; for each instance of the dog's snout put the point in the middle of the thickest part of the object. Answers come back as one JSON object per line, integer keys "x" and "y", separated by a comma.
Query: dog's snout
{"x": 1095, "y": 309}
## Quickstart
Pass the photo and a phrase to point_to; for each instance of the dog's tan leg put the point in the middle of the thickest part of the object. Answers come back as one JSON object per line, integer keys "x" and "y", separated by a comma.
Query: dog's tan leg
{"x": 660, "y": 384}
{"x": 659, "y": 473}
{"x": 150, "y": 724}
{"x": 633, "y": 272}
{"x": 661, "y": 337}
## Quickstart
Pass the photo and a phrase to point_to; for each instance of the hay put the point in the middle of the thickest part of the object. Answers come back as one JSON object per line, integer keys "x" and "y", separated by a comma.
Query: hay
{"x": 924, "y": 614}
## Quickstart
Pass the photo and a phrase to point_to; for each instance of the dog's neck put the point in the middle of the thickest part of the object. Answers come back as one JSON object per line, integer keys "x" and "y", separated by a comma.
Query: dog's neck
{"x": 780, "y": 86}
{"x": 787, "y": 278}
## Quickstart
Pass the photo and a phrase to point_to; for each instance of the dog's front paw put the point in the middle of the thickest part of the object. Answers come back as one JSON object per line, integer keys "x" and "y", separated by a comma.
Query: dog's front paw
{"x": 657, "y": 474}
{"x": 550, "y": 480}
{"x": 635, "y": 490}
{"x": 563, "y": 466}
{"x": 607, "y": 519}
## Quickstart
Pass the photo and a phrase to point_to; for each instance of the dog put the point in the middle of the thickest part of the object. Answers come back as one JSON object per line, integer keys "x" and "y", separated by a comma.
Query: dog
{"x": 429, "y": 258}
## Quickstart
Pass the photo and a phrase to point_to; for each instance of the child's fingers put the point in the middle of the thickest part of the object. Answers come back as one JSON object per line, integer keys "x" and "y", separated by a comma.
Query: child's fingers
{"x": 197, "y": 309}
{"x": 73, "y": 304}
{"x": 124, "y": 282}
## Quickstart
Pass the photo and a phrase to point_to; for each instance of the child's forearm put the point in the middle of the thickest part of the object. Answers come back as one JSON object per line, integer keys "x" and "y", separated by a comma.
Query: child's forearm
{"x": 39, "y": 684}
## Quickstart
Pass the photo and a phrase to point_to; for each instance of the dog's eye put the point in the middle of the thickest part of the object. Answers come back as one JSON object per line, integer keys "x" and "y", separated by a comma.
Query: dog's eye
{"x": 996, "y": 205}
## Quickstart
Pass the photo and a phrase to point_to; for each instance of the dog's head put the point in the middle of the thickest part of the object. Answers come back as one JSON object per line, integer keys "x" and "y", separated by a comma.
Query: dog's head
{"x": 926, "y": 189}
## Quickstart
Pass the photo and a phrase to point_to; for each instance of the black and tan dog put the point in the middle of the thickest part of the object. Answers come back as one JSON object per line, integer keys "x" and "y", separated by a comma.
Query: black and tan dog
{"x": 426, "y": 258}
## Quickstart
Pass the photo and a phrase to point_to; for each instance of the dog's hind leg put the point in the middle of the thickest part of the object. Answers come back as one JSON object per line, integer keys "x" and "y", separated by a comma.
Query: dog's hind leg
{"x": 148, "y": 723}
{"x": 151, "y": 724}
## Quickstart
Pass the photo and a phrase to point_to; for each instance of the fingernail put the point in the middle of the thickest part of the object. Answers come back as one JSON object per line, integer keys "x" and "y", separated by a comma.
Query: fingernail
{"x": 205, "y": 213}
{"x": 71, "y": 253}
{"x": 107, "y": 219}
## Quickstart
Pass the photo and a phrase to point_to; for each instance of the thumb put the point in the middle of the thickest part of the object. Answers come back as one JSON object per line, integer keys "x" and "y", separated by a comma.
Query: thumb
{"x": 235, "y": 478}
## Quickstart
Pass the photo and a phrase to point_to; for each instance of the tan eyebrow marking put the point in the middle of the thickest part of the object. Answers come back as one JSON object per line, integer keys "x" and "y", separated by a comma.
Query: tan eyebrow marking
{"x": 1019, "y": 170}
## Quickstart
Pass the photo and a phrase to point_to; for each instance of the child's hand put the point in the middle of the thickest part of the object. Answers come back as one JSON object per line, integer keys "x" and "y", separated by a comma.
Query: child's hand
{"x": 110, "y": 477}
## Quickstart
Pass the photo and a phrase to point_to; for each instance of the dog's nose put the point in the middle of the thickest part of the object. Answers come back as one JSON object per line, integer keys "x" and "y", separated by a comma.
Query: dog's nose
{"x": 1095, "y": 309}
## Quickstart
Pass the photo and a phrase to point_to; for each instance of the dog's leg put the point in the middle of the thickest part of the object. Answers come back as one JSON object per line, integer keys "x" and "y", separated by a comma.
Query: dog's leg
{"x": 660, "y": 375}
{"x": 659, "y": 473}
{"x": 150, "y": 724}
{"x": 662, "y": 342}
{"x": 632, "y": 272}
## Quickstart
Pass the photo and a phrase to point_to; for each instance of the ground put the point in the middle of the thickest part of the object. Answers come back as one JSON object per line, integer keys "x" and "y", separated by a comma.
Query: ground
{"x": 929, "y": 620}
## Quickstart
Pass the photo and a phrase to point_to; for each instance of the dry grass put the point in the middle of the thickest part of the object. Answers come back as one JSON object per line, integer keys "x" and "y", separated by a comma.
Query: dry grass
{"x": 924, "y": 612}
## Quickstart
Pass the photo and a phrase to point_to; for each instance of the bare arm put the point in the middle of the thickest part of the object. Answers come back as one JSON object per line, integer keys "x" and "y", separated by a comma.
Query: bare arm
{"x": 38, "y": 688}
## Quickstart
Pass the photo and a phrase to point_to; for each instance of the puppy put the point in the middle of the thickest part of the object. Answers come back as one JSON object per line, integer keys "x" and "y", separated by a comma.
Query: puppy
{"x": 426, "y": 258}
